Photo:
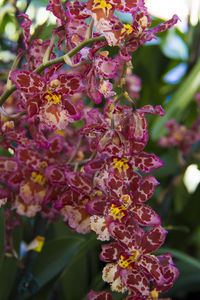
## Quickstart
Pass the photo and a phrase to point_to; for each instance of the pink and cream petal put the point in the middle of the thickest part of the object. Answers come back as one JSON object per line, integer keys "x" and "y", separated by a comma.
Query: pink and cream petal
{"x": 55, "y": 6}
{"x": 112, "y": 276}
{"x": 98, "y": 224}
{"x": 53, "y": 116}
{"x": 26, "y": 25}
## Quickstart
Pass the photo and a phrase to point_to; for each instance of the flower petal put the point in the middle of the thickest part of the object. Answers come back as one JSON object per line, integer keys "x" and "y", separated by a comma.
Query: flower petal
{"x": 151, "y": 266}
{"x": 153, "y": 239}
{"x": 146, "y": 162}
{"x": 111, "y": 252}
{"x": 144, "y": 215}
{"x": 136, "y": 281}
{"x": 99, "y": 296}
{"x": 145, "y": 189}
{"x": 28, "y": 82}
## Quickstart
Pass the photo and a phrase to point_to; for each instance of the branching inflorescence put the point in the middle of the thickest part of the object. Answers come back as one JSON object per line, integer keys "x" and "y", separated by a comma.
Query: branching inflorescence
{"x": 91, "y": 176}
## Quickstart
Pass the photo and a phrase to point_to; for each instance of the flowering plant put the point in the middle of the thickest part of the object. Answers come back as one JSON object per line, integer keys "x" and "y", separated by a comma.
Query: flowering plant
{"x": 74, "y": 140}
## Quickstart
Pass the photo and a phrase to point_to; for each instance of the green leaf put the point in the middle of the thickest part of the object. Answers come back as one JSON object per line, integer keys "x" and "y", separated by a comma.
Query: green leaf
{"x": 178, "y": 102}
{"x": 55, "y": 255}
{"x": 8, "y": 275}
{"x": 81, "y": 269}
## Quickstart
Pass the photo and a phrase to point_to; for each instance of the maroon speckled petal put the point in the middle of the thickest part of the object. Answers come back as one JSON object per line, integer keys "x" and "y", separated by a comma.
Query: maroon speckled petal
{"x": 79, "y": 182}
{"x": 136, "y": 281}
{"x": 151, "y": 266}
{"x": 92, "y": 295}
{"x": 28, "y": 82}
{"x": 145, "y": 215}
{"x": 146, "y": 162}
{"x": 145, "y": 190}
{"x": 29, "y": 158}
{"x": 111, "y": 252}
{"x": 153, "y": 239}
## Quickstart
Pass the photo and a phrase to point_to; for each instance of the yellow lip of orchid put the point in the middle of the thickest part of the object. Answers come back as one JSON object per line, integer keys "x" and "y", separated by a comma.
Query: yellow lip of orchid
{"x": 125, "y": 263}
{"x": 128, "y": 29}
{"x": 38, "y": 178}
{"x": 102, "y": 4}
{"x": 52, "y": 97}
{"x": 117, "y": 212}
{"x": 121, "y": 164}
{"x": 153, "y": 295}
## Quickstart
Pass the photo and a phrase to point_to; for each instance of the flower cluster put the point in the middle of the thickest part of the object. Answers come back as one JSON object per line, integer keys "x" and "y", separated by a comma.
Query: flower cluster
{"x": 92, "y": 176}
{"x": 180, "y": 136}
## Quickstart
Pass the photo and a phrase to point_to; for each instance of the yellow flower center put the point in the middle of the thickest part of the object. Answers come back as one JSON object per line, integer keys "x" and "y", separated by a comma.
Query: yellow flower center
{"x": 153, "y": 295}
{"x": 38, "y": 178}
{"x": 125, "y": 262}
{"x": 128, "y": 29}
{"x": 52, "y": 97}
{"x": 103, "y": 5}
{"x": 117, "y": 211}
{"x": 179, "y": 135}
{"x": 60, "y": 132}
{"x": 120, "y": 164}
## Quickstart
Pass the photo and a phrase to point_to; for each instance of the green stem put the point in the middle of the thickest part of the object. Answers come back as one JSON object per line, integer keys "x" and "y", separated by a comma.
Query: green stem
{"x": 6, "y": 94}
{"x": 11, "y": 116}
{"x": 58, "y": 60}
{"x": 70, "y": 54}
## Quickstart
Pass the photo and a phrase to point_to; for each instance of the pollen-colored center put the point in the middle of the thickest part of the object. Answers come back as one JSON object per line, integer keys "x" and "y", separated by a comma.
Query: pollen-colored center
{"x": 121, "y": 164}
{"x": 153, "y": 295}
{"x": 117, "y": 212}
{"x": 135, "y": 254}
{"x": 54, "y": 83}
{"x": 38, "y": 178}
{"x": 125, "y": 263}
{"x": 143, "y": 22}
{"x": 128, "y": 29}
{"x": 102, "y": 4}
{"x": 126, "y": 200}
{"x": 96, "y": 193}
{"x": 43, "y": 165}
{"x": 52, "y": 97}
{"x": 179, "y": 134}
